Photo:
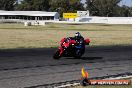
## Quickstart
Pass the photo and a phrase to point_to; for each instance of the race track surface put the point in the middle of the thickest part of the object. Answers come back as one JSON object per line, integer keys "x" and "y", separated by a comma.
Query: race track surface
{"x": 32, "y": 67}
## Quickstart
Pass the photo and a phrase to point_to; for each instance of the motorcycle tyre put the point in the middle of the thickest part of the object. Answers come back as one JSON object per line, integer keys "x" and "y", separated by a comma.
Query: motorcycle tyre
{"x": 57, "y": 55}
{"x": 78, "y": 54}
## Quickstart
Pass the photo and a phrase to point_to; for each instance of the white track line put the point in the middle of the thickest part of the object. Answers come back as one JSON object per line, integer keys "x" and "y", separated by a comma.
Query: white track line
{"x": 68, "y": 85}
{"x": 76, "y": 84}
{"x": 121, "y": 77}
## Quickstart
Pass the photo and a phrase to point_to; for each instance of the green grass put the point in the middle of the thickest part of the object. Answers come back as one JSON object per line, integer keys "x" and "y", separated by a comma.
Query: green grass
{"x": 18, "y": 36}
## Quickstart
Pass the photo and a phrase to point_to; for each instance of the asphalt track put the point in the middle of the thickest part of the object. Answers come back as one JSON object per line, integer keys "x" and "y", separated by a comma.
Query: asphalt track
{"x": 33, "y": 67}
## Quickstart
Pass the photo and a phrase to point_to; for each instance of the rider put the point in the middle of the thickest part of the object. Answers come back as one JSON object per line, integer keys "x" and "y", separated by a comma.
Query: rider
{"x": 80, "y": 41}
{"x": 78, "y": 37}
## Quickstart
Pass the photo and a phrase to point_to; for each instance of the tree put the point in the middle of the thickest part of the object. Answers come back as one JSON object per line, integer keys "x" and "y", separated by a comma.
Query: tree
{"x": 66, "y": 5}
{"x": 7, "y": 4}
{"x": 123, "y": 11}
{"x": 34, "y": 5}
{"x": 102, "y": 7}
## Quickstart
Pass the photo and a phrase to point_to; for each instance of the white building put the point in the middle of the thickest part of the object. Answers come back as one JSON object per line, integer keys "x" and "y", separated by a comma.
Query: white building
{"x": 81, "y": 15}
{"x": 29, "y": 15}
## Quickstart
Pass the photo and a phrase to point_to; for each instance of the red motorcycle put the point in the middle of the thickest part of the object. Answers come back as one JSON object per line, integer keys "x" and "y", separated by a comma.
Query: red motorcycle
{"x": 69, "y": 47}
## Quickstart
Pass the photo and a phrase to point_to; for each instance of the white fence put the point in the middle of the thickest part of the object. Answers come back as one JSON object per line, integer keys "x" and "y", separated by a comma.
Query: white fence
{"x": 107, "y": 20}
{"x": 81, "y": 20}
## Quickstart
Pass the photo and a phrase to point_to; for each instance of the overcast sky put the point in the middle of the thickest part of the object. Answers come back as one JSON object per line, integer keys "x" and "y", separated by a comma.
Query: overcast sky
{"x": 123, "y": 2}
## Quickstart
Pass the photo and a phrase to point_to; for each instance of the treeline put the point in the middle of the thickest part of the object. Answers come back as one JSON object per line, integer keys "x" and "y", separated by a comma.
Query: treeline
{"x": 96, "y": 7}
{"x": 108, "y": 8}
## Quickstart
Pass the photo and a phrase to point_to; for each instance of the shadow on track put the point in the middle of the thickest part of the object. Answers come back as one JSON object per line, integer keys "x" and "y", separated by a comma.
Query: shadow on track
{"x": 91, "y": 58}
{"x": 51, "y": 51}
{"x": 40, "y": 57}
{"x": 86, "y": 58}
{"x": 27, "y": 52}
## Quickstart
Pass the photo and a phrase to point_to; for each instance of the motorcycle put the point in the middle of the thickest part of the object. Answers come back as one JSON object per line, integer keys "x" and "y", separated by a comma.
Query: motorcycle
{"x": 69, "y": 47}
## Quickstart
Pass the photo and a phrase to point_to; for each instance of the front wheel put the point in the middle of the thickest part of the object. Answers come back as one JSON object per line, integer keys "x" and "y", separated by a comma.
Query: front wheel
{"x": 57, "y": 55}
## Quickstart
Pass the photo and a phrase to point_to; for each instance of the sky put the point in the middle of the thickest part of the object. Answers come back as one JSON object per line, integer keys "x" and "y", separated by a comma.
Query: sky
{"x": 123, "y": 2}
{"x": 126, "y": 2}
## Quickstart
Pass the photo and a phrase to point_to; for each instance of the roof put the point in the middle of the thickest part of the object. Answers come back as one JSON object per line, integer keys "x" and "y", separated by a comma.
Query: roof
{"x": 28, "y": 13}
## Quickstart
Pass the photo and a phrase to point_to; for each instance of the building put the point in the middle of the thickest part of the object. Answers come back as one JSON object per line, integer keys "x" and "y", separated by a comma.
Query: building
{"x": 29, "y": 15}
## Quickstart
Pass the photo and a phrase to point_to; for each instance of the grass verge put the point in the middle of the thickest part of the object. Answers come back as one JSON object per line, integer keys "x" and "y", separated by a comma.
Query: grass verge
{"x": 18, "y": 36}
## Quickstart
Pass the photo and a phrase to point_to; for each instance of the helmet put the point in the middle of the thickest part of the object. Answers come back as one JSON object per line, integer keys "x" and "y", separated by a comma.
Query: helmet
{"x": 77, "y": 34}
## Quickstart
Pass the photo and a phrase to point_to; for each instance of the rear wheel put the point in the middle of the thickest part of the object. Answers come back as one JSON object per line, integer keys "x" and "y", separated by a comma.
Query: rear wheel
{"x": 78, "y": 54}
{"x": 57, "y": 55}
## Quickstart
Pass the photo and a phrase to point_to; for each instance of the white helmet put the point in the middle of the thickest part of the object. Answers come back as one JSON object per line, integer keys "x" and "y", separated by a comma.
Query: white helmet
{"x": 77, "y": 34}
